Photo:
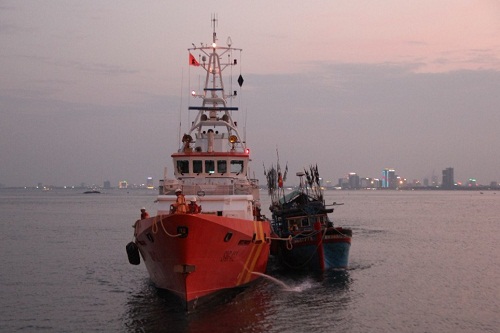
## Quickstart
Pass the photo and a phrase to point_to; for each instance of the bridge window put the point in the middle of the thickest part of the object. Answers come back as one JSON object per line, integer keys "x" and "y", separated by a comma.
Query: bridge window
{"x": 183, "y": 166}
{"x": 209, "y": 166}
{"x": 197, "y": 166}
{"x": 221, "y": 166}
{"x": 237, "y": 166}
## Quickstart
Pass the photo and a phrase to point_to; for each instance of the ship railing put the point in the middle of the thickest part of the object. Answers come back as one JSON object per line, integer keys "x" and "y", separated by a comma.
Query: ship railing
{"x": 216, "y": 186}
{"x": 208, "y": 189}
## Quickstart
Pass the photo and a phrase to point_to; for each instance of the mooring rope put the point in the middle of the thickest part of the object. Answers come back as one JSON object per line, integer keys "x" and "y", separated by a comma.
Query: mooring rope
{"x": 154, "y": 227}
{"x": 289, "y": 239}
{"x": 313, "y": 253}
{"x": 341, "y": 234}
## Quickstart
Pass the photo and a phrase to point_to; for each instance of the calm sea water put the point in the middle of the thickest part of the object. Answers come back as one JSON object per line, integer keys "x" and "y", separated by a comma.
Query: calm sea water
{"x": 420, "y": 262}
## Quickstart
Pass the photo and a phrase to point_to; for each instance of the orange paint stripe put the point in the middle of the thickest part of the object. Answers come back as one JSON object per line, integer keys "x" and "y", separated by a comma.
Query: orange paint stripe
{"x": 246, "y": 271}
{"x": 254, "y": 262}
{"x": 255, "y": 256}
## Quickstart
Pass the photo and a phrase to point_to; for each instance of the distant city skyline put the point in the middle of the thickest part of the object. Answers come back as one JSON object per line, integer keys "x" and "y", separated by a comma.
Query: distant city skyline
{"x": 435, "y": 180}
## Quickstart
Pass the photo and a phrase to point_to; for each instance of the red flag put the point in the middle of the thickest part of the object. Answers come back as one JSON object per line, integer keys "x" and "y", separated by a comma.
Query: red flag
{"x": 193, "y": 61}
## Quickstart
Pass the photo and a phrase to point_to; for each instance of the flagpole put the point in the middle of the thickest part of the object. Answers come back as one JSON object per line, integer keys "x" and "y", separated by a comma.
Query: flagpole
{"x": 180, "y": 108}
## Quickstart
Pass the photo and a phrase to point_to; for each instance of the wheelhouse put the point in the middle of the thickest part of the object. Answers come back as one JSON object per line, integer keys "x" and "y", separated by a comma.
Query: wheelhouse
{"x": 217, "y": 165}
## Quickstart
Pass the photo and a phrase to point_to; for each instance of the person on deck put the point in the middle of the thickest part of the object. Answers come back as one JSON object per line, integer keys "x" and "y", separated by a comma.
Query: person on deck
{"x": 193, "y": 207}
{"x": 144, "y": 214}
{"x": 180, "y": 204}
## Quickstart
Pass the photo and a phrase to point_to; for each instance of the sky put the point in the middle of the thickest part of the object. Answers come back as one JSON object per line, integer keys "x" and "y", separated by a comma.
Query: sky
{"x": 98, "y": 90}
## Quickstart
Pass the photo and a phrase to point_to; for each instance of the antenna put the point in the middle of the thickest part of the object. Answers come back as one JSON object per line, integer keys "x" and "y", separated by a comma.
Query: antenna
{"x": 215, "y": 21}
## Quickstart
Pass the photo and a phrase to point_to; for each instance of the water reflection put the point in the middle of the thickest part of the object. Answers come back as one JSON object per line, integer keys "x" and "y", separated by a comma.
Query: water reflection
{"x": 264, "y": 306}
{"x": 153, "y": 310}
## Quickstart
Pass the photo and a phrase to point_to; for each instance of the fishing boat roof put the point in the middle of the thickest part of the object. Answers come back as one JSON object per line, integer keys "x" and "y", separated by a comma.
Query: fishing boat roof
{"x": 292, "y": 202}
{"x": 292, "y": 197}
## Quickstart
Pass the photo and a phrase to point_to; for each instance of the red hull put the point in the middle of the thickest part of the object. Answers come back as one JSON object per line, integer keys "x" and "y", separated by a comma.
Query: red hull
{"x": 215, "y": 253}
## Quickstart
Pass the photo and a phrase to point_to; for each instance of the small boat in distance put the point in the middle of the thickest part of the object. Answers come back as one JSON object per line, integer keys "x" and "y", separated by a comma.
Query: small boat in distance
{"x": 219, "y": 242}
{"x": 303, "y": 236}
{"x": 92, "y": 192}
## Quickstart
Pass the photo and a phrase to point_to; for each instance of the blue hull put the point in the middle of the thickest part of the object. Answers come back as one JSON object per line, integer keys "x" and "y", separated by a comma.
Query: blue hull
{"x": 308, "y": 257}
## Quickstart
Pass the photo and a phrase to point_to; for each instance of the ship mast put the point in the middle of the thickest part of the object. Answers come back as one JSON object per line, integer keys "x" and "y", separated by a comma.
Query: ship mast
{"x": 214, "y": 111}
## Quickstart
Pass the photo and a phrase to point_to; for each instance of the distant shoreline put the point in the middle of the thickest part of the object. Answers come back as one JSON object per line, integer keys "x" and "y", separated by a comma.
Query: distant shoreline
{"x": 406, "y": 188}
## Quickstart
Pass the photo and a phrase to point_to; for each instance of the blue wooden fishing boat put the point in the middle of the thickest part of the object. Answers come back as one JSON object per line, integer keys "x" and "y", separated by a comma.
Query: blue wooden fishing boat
{"x": 303, "y": 236}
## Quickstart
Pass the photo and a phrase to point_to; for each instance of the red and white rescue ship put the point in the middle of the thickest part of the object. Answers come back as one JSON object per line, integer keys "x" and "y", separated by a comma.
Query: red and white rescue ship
{"x": 197, "y": 253}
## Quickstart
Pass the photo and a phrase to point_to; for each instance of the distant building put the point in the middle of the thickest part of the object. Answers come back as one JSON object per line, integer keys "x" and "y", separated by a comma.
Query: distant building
{"x": 434, "y": 181}
{"x": 389, "y": 178}
{"x": 353, "y": 180}
{"x": 367, "y": 182}
{"x": 401, "y": 182}
{"x": 472, "y": 182}
{"x": 123, "y": 184}
{"x": 448, "y": 179}
{"x": 107, "y": 184}
{"x": 149, "y": 183}
{"x": 343, "y": 183}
